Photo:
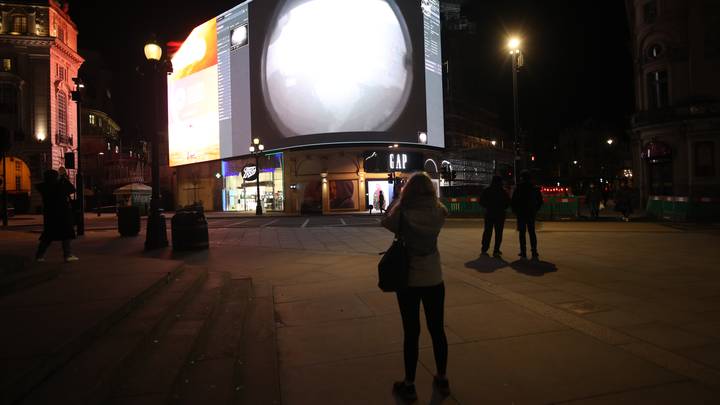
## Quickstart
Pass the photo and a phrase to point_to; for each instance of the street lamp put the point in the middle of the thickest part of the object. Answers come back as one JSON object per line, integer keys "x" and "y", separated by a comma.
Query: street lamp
{"x": 76, "y": 96}
{"x": 513, "y": 45}
{"x": 158, "y": 68}
{"x": 610, "y": 141}
{"x": 256, "y": 149}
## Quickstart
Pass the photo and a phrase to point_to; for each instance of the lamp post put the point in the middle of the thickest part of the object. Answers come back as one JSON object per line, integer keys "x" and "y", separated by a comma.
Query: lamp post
{"x": 256, "y": 149}
{"x": 79, "y": 180}
{"x": 158, "y": 68}
{"x": 517, "y": 62}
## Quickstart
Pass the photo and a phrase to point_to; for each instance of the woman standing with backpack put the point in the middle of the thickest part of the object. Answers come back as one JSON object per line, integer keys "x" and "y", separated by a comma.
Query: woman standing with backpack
{"x": 420, "y": 215}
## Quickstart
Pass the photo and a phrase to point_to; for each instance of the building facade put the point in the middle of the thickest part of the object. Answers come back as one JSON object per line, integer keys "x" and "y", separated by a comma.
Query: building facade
{"x": 676, "y": 129}
{"x": 38, "y": 60}
{"x": 308, "y": 181}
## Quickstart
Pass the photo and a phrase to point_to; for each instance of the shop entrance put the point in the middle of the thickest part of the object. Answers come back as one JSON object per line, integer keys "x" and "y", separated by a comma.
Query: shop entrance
{"x": 241, "y": 184}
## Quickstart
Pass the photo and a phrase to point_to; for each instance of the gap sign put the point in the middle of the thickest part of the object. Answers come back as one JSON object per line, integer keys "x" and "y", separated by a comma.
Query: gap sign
{"x": 383, "y": 162}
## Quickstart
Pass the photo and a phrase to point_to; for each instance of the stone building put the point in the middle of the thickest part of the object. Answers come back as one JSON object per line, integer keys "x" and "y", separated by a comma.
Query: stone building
{"x": 38, "y": 60}
{"x": 676, "y": 128}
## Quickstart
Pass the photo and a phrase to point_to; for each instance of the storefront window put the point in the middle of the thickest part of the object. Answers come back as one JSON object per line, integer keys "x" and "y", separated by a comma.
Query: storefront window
{"x": 241, "y": 180}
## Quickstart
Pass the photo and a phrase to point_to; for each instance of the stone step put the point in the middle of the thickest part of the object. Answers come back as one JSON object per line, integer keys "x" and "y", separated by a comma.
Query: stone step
{"x": 46, "y": 326}
{"x": 18, "y": 273}
{"x": 90, "y": 375}
{"x": 156, "y": 365}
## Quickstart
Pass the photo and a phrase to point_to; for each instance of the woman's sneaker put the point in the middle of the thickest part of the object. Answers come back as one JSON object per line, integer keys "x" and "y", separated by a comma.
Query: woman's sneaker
{"x": 404, "y": 391}
{"x": 71, "y": 258}
{"x": 442, "y": 386}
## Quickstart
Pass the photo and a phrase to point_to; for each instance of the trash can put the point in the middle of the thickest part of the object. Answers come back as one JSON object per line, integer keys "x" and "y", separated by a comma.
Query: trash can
{"x": 128, "y": 220}
{"x": 189, "y": 230}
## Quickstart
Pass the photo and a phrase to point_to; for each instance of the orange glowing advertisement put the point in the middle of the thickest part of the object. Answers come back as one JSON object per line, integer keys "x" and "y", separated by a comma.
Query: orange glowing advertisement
{"x": 193, "y": 99}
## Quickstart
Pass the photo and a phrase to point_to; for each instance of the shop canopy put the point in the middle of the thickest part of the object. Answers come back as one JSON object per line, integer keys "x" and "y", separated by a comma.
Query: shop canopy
{"x": 133, "y": 188}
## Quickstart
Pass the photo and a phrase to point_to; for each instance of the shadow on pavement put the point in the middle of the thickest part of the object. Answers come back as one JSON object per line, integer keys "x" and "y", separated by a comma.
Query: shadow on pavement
{"x": 436, "y": 399}
{"x": 486, "y": 264}
{"x": 535, "y": 268}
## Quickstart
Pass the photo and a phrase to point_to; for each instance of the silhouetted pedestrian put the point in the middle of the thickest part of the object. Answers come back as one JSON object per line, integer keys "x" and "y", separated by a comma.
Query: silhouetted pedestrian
{"x": 422, "y": 217}
{"x": 381, "y": 201}
{"x": 495, "y": 200}
{"x": 526, "y": 201}
{"x": 623, "y": 200}
{"x": 592, "y": 199}
{"x": 58, "y": 224}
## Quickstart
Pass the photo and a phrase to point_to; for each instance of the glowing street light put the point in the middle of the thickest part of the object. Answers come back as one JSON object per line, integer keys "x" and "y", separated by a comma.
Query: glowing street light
{"x": 513, "y": 45}
{"x": 153, "y": 51}
{"x": 256, "y": 149}
{"x": 610, "y": 141}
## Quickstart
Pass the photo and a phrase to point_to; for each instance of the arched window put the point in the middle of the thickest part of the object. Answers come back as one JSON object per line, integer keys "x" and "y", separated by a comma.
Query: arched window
{"x": 8, "y": 98}
{"x": 62, "y": 128}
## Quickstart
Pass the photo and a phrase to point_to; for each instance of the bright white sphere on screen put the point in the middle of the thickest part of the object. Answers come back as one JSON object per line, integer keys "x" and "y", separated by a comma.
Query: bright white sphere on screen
{"x": 337, "y": 66}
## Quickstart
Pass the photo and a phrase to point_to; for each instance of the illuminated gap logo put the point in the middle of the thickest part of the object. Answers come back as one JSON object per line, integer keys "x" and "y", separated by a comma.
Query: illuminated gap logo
{"x": 398, "y": 161}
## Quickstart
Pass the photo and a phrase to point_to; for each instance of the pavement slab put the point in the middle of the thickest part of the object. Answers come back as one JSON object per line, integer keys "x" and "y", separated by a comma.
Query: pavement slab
{"x": 544, "y": 368}
{"x": 666, "y": 394}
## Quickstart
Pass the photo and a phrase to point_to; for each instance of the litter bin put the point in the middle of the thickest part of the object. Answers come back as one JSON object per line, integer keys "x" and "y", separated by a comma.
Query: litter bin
{"x": 128, "y": 221}
{"x": 189, "y": 230}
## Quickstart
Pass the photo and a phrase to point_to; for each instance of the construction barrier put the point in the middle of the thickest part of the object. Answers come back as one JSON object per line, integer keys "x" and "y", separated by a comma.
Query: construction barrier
{"x": 554, "y": 207}
{"x": 679, "y": 209}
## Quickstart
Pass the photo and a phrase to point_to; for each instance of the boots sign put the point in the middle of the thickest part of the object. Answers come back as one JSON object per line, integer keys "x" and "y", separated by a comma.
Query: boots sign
{"x": 383, "y": 162}
{"x": 250, "y": 173}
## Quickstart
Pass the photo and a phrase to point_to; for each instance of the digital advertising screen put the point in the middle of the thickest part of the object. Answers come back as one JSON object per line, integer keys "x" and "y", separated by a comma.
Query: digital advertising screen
{"x": 307, "y": 72}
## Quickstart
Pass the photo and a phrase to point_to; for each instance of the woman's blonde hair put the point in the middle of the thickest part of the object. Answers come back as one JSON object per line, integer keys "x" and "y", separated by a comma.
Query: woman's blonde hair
{"x": 418, "y": 186}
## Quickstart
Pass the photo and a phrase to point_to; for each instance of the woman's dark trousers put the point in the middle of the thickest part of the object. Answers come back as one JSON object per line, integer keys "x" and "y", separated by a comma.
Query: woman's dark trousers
{"x": 45, "y": 244}
{"x": 498, "y": 224}
{"x": 433, "y": 301}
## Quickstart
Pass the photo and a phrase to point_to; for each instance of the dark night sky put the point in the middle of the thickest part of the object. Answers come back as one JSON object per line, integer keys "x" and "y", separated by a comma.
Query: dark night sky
{"x": 578, "y": 64}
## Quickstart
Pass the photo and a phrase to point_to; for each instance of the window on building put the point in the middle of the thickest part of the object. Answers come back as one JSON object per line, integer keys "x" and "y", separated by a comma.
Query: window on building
{"x": 650, "y": 12}
{"x": 19, "y": 24}
{"x": 61, "y": 73}
{"x": 91, "y": 119}
{"x": 705, "y": 159}
{"x": 61, "y": 33}
{"x": 657, "y": 89}
{"x": 8, "y": 98}
{"x": 62, "y": 117}
{"x": 7, "y": 64}
{"x": 18, "y": 175}
{"x": 655, "y": 51}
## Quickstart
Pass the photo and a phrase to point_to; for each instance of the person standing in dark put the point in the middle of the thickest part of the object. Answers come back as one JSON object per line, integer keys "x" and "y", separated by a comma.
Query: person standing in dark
{"x": 381, "y": 201}
{"x": 526, "y": 201}
{"x": 495, "y": 201}
{"x": 419, "y": 216}
{"x": 623, "y": 200}
{"x": 592, "y": 199}
{"x": 57, "y": 214}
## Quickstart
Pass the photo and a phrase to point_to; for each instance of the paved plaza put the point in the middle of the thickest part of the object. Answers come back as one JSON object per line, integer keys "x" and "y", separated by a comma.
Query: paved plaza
{"x": 615, "y": 313}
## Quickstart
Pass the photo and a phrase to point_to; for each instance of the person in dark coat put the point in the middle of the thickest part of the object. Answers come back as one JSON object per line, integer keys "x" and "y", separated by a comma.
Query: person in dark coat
{"x": 623, "y": 200}
{"x": 495, "y": 201}
{"x": 592, "y": 199}
{"x": 526, "y": 201}
{"x": 57, "y": 214}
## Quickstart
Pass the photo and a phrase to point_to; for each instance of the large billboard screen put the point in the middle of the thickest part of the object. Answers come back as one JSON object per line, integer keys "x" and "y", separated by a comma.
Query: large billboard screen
{"x": 307, "y": 72}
